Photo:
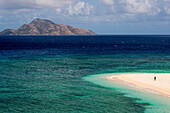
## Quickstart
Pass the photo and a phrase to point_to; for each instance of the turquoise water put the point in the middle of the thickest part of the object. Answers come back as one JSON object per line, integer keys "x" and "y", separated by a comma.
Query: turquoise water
{"x": 27, "y": 85}
{"x": 158, "y": 103}
{"x": 48, "y": 74}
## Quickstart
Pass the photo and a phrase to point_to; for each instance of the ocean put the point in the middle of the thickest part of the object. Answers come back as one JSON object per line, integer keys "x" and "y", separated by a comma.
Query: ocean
{"x": 52, "y": 74}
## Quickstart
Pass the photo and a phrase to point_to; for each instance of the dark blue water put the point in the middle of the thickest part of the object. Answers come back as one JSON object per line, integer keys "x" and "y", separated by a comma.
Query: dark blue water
{"x": 44, "y": 73}
{"x": 101, "y": 45}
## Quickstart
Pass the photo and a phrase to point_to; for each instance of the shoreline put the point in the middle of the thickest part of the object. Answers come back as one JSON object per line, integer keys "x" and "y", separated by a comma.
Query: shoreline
{"x": 145, "y": 81}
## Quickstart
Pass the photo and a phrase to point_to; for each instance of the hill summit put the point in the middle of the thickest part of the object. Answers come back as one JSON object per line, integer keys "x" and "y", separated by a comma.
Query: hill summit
{"x": 46, "y": 27}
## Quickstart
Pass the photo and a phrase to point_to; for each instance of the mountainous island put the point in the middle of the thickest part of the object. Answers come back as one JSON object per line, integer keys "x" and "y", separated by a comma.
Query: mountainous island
{"x": 46, "y": 27}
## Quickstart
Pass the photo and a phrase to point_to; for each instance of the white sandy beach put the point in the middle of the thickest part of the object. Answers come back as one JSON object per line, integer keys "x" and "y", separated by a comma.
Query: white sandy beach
{"x": 145, "y": 81}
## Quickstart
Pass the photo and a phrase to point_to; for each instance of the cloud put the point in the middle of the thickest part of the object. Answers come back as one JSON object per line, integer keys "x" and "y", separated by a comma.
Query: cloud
{"x": 133, "y": 6}
{"x": 167, "y": 10}
{"x": 81, "y": 8}
{"x": 33, "y": 4}
{"x": 108, "y": 2}
{"x": 86, "y": 11}
{"x": 140, "y": 6}
{"x": 58, "y": 10}
{"x": 166, "y": 6}
{"x": 133, "y": 11}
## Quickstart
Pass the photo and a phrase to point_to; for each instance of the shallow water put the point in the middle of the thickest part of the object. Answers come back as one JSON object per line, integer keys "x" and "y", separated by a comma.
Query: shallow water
{"x": 27, "y": 85}
{"x": 44, "y": 74}
{"x": 158, "y": 103}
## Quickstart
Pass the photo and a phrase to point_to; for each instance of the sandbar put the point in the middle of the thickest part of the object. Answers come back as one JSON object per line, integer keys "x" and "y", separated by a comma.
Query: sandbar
{"x": 145, "y": 81}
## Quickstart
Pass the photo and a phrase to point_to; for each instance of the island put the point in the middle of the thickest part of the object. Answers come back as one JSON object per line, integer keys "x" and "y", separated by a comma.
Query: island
{"x": 46, "y": 27}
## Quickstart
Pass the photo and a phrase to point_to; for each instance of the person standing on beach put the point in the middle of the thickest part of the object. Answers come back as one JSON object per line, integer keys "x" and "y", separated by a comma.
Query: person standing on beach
{"x": 154, "y": 78}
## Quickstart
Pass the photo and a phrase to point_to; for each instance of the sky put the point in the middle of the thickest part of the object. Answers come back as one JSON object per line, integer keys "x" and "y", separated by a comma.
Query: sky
{"x": 100, "y": 16}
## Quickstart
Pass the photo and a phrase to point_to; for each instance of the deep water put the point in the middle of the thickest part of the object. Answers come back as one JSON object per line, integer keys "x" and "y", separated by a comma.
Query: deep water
{"x": 43, "y": 74}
